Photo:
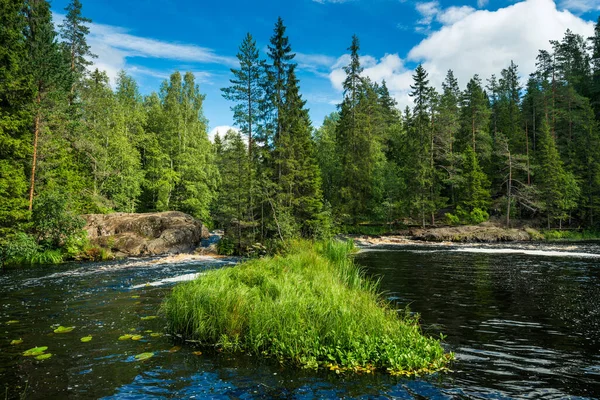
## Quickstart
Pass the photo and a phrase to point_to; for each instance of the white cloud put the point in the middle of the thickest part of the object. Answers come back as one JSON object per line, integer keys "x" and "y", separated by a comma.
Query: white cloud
{"x": 485, "y": 42}
{"x": 472, "y": 42}
{"x": 580, "y": 6}
{"x": 482, "y": 3}
{"x": 428, "y": 11}
{"x": 452, "y": 15}
{"x": 221, "y": 130}
{"x": 113, "y": 45}
{"x": 390, "y": 68}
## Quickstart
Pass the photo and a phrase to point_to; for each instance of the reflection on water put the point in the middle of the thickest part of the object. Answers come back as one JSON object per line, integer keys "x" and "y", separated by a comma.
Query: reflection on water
{"x": 522, "y": 321}
{"x": 521, "y": 325}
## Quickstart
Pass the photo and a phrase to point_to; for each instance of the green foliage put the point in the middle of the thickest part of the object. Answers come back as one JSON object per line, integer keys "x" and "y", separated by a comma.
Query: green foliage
{"x": 53, "y": 222}
{"x": 17, "y": 248}
{"x": 226, "y": 246}
{"x": 275, "y": 307}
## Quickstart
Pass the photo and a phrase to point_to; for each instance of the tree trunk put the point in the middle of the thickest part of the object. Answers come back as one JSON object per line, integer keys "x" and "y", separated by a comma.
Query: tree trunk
{"x": 36, "y": 134}
{"x": 509, "y": 190}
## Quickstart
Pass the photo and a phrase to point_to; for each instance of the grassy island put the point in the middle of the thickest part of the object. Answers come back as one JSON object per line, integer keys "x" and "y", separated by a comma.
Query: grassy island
{"x": 312, "y": 307}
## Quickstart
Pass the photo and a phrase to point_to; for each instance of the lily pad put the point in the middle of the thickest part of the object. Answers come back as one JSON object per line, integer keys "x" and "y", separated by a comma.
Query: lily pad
{"x": 36, "y": 351}
{"x": 63, "y": 329}
{"x": 175, "y": 349}
{"x": 12, "y": 321}
{"x": 16, "y": 341}
{"x": 156, "y": 334}
{"x": 197, "y": 353}
{"x": 148, "y": 331}
{"x": 149, "y": 317}
{"x": 125, "y": 337}
{"x": 86, "y": 339}
{"x": 144, "y": 356}
{"x": 135, "y": 297}
{"x": 43, "y": 356}
{"x": 136, "y": 337}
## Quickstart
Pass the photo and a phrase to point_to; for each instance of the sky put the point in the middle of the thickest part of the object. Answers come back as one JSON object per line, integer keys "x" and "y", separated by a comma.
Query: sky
{"x": 150, "y": 39}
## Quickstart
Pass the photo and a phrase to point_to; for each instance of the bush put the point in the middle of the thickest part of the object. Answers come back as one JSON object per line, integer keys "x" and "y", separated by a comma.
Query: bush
{"x": 53, "y": 223}
{"x": 17, "y": 249}
{"x": 311, "y": 307}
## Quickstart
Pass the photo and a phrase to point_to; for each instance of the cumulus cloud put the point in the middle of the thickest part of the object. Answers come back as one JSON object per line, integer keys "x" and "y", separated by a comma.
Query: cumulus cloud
{"x": 221, "y": 130}
{"x": 484, "y": 42}
{"x": 471, "y": 42}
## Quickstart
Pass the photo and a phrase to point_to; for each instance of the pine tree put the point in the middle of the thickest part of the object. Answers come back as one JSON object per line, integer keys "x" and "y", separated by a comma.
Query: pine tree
{"x": 234, "y": 169}
{"x": 74, "y": 31}
{"x": 16, "y": 92}
{"x": 300, "y": 181}
{"x": 474, "y": 194}
{"x": 558, "y": 189}
{"x": 420, "y": 169}
{"x": 475, "y": 117}
{"x": 48, "y": 73}
{"x": 246, "y": 89}
{"x": 280, "y": 54}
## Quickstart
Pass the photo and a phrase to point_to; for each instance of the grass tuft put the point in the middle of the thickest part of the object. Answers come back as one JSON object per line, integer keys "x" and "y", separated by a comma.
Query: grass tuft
{"x": 311, "y": 307}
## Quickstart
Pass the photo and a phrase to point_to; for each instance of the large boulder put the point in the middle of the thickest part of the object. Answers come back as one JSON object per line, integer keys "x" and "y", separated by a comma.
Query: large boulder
{"x": 133, "y": 235}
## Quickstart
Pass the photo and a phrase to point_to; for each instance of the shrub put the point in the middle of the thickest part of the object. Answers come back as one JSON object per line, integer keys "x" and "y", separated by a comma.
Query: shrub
{"x": 17, "y": 249}
{"x": 52, "y": 222}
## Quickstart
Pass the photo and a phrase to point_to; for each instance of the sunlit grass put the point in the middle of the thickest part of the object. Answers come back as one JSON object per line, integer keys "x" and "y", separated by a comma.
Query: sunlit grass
{"x": 312, "y": 307}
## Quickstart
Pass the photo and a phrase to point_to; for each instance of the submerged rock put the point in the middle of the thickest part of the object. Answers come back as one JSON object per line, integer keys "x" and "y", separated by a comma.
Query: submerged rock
{"x": 132, "y": 235}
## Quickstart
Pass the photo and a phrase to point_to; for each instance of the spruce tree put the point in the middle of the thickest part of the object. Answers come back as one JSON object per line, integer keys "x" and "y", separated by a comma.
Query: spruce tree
{"x": 74, "y": 32}
{"x": 300, "y": 181}
{"x": 48, "y": 72}
{"x": 16, "y": 92}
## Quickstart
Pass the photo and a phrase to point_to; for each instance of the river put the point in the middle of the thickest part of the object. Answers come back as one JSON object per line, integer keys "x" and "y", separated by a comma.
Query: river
{"x": 523, "y": 321}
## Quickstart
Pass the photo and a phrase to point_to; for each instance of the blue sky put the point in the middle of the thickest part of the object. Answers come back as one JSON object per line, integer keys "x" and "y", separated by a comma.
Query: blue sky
{"x": 152, "y": 38}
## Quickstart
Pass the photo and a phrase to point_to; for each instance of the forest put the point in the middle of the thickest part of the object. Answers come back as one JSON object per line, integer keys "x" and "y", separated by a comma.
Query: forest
{"x": 507, "y": 147}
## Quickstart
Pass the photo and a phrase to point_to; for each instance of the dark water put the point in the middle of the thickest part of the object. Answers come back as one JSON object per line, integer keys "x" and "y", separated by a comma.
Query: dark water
{"x": 521, "y": 325}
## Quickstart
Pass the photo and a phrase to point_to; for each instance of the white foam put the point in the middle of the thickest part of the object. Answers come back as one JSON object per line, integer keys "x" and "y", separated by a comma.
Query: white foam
{"x": 180, "y": 278}
{"x": 544, "y": 253}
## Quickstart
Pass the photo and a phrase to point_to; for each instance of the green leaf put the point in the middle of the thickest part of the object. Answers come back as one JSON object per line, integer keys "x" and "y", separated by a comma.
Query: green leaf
{"x": 144, "y": 356}
{"x": 36, "y": 351}
{"x": 148, "y": 318}
{"x": 125, "y": 337}
{"x": 12, "y": 321}
{"x": 43, "y": 356}
{"x": 62, "y": 329}
{"x": 16, "y": 341}
{"x": 136, "y": 337}
{"x": 156, "y": 334}
{"x": 86, "y": 339}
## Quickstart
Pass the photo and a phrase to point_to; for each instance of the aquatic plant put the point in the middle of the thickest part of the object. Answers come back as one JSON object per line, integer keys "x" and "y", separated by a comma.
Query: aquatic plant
{"x": 312, "y": 307}
{"x": 36, "y": 351}
{"x": 144, "y": 356}
{"x": 86, "y": 339}
{"x": 63, "y": 329}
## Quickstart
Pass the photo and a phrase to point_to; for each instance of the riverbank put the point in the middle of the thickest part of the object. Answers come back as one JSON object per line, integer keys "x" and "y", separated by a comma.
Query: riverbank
{"x": 312, "y": 308}
{"x": 487, "y": 232}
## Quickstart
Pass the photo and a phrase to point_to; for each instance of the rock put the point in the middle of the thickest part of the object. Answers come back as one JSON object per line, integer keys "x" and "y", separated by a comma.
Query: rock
{"x": 485, "y": 232}
{"x": 132, "y": 235}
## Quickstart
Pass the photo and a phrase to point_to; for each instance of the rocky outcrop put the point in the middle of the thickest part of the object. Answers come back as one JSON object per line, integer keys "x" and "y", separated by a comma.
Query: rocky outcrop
{"x": 133, "y": 235}
{"x": 485, "y": 232}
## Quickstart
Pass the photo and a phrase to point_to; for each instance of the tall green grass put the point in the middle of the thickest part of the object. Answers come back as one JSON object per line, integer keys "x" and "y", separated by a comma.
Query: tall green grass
{"x": 312, "y": 307}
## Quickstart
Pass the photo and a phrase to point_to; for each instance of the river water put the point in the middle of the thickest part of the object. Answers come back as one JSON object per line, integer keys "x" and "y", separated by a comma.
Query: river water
{"x": 523, "y": 321}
